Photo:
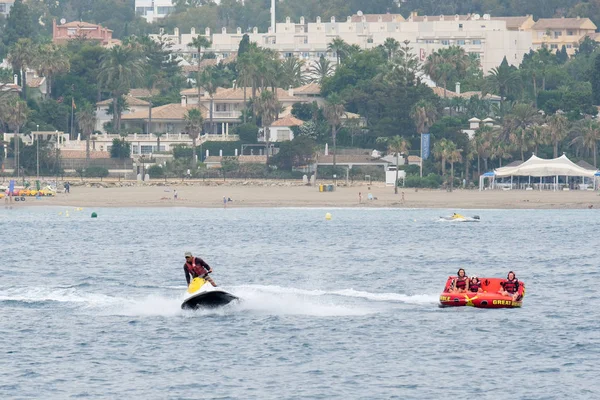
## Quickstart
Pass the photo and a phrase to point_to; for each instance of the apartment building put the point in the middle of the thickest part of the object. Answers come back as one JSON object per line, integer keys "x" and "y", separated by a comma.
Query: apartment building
{"x": 556, "y": 32}
{"x": 489, "y": 38}
{"x": 153, "y": 10}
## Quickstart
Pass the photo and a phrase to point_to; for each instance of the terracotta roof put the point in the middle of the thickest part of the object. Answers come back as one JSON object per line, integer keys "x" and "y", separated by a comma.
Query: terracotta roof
{"x": 414, "y": 159}
{"x": 173, "y": 111}
{"x": 213, "y": 160}
{"x": 140, "y": 92}
{"x": 563, "y": 23}
{"x": 82, "y": 154}
{"x": 82, "y": 24}
{"x": 350, "y": 159}
{"x": 9, "y": 87}
{"x": 288, "y": 121}
{"x": 132, "y": 101}
{"x": 586, "y": 165}
{"x": 375, "y": 17}
{"x": 36, "y": 82}
{"x": 440, "y": 92}
{"x": 513, "y": 22}
{"x": 311, "y": 88}
{"x": 238, "y": 94}
{"x": 192, "y": 91}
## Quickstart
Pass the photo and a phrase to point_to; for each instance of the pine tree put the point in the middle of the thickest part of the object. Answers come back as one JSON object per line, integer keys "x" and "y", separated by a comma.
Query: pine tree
{"x": 18, "y": 24}
{"x": 562, "y": 56}
{"x": 244, "y": 45}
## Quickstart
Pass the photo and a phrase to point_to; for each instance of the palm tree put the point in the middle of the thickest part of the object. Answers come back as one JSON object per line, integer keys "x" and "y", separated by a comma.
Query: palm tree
{"x": 501, "y": 151}
{"x": 334, "y": 111}
{"x": 517, "y": 125}
{"x": 120, "y": 69}
{"x": 538, "y": 134}
{"x": 194, "y": 121}
{"x": 22, "y": 55}
{"x": 86, "y": 120}
{"x": 557, "y": 129}
{"x": 439, "y": 68}
{"x": 244, "y": 80}
{"x": 15, "y": 115}
{"x": 339, "y": 48}
{"x": 587, "y": 135}
{"x": 210, "y": 81}
{"x": 199, "y": 42}
{"x": 391, "y": 46}
{"x": 503, "y": 81}
{"x": 267, "y": 107}
{"x": 453, "y": 155}
{"x": 398, "y": 145}
{"x": 424, "y": 114}
{"x": 440, "y": 151}
{"x": 51, "y": 60}
{"x": 292, "y": 73}
{"x": 321, "y": 70}
{"x": 484, "y": 138}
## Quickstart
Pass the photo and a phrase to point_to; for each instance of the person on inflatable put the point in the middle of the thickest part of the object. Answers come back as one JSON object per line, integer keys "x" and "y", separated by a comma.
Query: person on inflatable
{"x": 195, "y": 267}
{"x": 460, "y": 284}
{"x": 475, "y": 285}
{"x": 510, "y": 287}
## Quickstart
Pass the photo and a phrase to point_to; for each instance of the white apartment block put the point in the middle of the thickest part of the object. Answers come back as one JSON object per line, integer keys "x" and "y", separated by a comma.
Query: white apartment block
{"x": 153, "y": 10}
{"x": 490, "y": 39}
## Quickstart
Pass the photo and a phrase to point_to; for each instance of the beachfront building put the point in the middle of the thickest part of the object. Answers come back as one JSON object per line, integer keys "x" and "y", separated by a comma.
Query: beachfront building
{"x": 104, "y": 108}
{"x": 281, "y": 130}
{"x": 488, "y": 38}
{"x": 153, "y": 10}
{"x": 5, "y": 6}
{"x": 554, "y": 33}
{"x": 80, "y": 30}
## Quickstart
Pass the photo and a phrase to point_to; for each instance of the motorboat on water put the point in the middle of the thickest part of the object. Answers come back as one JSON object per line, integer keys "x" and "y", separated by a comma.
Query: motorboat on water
{"x": 488, "y": 297}
{"x": 201, "y": 294}
{"x": 461, "y": 218}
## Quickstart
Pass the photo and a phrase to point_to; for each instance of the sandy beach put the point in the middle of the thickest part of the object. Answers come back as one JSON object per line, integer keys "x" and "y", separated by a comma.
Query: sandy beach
{"x": 294, "y": 194}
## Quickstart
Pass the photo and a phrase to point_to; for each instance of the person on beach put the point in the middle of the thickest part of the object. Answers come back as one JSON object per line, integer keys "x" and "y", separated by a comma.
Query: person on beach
{"x": 510, "y": 287}
{"x": 67, "y": 187}
{"x": 359, "y": 197}
{"x": 475, "y": 285}
{"x": 195, "y": 267}
{"x": 460, "y": 284}
{"x": 175, "y": 194}
{"x": 224, "y": 202}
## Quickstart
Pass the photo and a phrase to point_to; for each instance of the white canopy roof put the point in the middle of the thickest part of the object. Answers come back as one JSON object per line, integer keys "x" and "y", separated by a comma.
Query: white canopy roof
{"x": 536, "y": 166}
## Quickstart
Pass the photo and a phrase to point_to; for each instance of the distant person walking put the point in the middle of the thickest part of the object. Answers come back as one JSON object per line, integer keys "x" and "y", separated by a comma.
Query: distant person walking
{"x": 402, "y": 200}
{"x": 359, "y": 197}
{"x": 224, "y": 202}
{"x": 67, "y": 187}
{"x": 175, "y": 194}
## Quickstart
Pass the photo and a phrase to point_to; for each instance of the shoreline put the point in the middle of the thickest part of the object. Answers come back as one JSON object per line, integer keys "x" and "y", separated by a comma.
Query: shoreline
{"x": 277, "y": 194}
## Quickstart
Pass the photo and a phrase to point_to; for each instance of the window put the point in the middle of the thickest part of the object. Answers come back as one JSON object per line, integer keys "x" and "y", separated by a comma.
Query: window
{"x": 147, "y": 149}
{"x": 305, "y": 55}
{"x": 569, "y": 46}
{"x": 289, "y": 55}
{"x": 370, "y": 40}
{"x": 557, "y": 34}
{"x": 570, "y": 33}
{"x": 305, "y": 40}
{"x": 2, "y": 8}
{"x": 71, "y": 31}
{"x": 554, "y": 46}
{"x": 164, "y": 10}
{"x": 430, "y": 41}
{"x": 460, "y": 27}
{"x": 445, "y": 42}
{"x": 477, "y": 42}
{"x": 460, "y": 42}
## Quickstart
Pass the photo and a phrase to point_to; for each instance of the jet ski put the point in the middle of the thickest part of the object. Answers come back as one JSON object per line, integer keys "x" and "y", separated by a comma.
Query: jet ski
{"x": 461, "y": 218}
{"x": 201, "y": 294}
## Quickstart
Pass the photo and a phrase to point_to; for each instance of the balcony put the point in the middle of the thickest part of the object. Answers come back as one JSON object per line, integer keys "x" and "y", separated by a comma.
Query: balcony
{"x": 227, "y": 114}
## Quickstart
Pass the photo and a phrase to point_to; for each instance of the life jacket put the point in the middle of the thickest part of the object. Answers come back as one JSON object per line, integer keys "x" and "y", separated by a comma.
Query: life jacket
{"x": 195, "y": 270}
{"x": 511, "y": 286}
{"x": 474, "y": 287}
{"x": 460, "y": 283}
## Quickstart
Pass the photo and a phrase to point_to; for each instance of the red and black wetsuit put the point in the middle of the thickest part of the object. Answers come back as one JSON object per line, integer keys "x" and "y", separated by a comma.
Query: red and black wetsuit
{"x": 511, "y": 287}
{"x": 474, "y": 287}
{"x": 195, "y": 268}
{"x": 460, "y": 283}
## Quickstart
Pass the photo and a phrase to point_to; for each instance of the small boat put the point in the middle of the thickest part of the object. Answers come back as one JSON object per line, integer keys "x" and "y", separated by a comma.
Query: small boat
{"x": 461, "y": 218}
{"x": 489, "y": 297}
{"x": 201, "y": 294}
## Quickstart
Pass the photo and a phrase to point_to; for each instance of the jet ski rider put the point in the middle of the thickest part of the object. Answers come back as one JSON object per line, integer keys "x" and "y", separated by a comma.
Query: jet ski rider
{"x": 196, "y": 268}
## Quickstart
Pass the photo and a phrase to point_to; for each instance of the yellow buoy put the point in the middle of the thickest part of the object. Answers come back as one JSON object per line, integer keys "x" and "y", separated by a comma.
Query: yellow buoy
{"x": 328, "y": 216}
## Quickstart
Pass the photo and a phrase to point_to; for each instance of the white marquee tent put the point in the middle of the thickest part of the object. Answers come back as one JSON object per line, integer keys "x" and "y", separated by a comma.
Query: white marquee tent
{"x": 539, "y": 167}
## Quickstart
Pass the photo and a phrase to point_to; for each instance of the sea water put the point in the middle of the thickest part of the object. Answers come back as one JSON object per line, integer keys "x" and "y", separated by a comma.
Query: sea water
{"x": 339, "y": 309}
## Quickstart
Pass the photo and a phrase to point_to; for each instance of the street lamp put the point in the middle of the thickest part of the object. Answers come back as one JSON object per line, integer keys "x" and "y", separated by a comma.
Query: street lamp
{"x": 37, "y": 140}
